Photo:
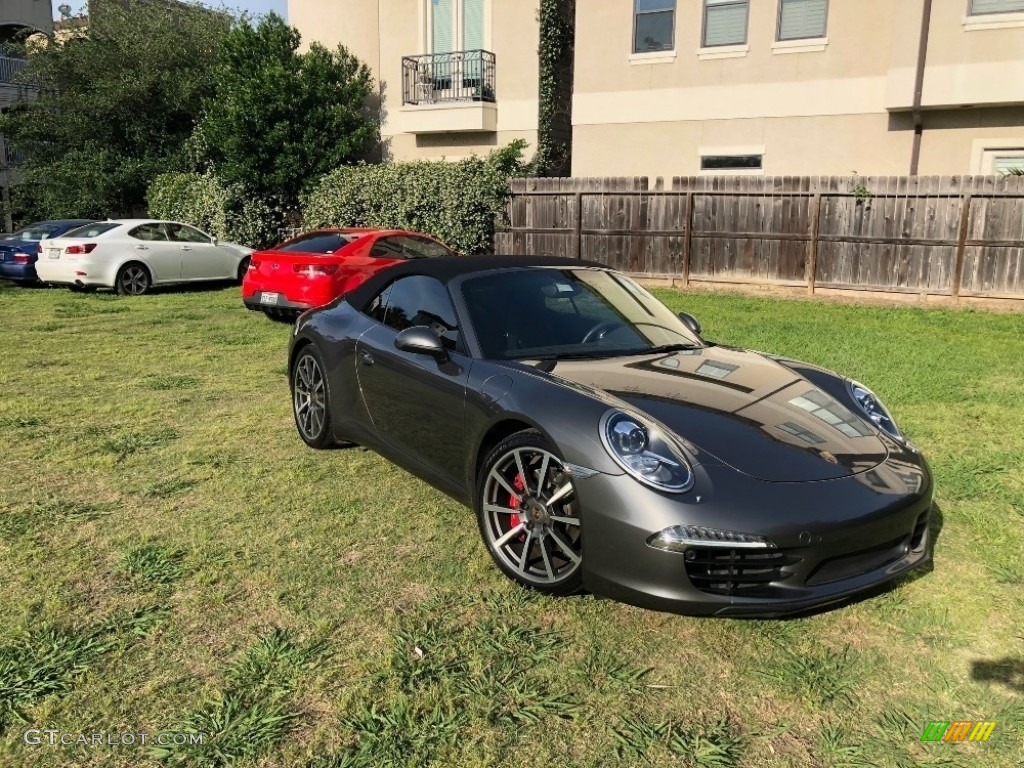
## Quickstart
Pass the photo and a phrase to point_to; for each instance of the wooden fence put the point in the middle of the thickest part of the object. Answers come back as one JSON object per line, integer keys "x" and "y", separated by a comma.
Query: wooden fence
{"x": 959, "y": 236}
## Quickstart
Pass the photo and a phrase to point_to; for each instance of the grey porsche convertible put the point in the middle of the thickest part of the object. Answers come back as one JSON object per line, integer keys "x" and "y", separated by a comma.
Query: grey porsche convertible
{"x": 604, "y": 445}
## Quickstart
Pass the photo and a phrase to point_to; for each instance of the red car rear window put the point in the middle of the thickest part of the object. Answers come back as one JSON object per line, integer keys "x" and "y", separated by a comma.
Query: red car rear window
{"x": 317, "y": 242}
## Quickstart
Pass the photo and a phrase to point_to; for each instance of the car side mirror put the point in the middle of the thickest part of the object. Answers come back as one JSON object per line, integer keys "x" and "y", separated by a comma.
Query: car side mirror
{"x": 213, "y": 241}
{"x": 690, "y": 322}
{"x": 422, "y": 341}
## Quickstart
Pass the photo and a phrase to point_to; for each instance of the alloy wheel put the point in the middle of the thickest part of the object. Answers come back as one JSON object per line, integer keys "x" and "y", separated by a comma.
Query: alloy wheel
{"x": 134, "y": 280}
{"x": 530, "y": 517}
{"x": 310, "y": 399}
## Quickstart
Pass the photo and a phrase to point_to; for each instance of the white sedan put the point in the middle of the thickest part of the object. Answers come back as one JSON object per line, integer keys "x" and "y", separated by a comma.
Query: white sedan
{"x": 132, "y": 255}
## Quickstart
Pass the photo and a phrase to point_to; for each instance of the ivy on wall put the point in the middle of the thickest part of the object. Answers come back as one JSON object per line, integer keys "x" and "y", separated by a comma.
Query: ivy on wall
{"x": 557, "y": 19}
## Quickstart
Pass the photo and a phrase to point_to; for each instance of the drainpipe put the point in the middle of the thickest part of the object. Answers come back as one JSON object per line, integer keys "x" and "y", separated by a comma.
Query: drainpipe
{"x": 922, "y": 58}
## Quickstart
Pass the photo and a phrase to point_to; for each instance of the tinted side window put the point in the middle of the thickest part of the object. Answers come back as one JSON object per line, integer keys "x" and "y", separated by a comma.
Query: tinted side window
{"x": 183, "y": 233}
{"x": 149, "y": 232}
{"x": 387, "y": 248}
{"x": 421, "y": 300}
{"x": 421, "y": 248}
{"x": 377, "y": 307}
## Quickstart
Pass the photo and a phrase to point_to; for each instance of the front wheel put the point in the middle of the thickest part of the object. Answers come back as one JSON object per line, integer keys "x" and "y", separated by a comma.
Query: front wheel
{"x": 311, "y": 402}
{"x": 132, "y": 280}
{"x": 529, "y": 515}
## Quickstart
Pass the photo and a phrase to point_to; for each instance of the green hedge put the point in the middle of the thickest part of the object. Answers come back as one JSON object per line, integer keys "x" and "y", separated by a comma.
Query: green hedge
{"x": 203, "y": 201}
{"x": 459, "y": 203}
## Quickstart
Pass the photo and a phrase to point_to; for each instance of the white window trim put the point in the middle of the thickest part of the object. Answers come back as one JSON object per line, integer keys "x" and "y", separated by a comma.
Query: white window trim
{"x": 985, "y": 21}
{"x": 801, "y": 45}
{"x": 723, "y": 52}
{"x": 979, "y": 148}
{"x": 652, "y": 57}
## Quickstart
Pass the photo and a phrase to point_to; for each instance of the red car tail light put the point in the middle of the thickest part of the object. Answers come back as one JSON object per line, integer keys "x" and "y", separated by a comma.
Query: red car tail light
{"x": 73, "y": 250}
{"x": 314, "y": 270}
{"x": 21, "y": 258}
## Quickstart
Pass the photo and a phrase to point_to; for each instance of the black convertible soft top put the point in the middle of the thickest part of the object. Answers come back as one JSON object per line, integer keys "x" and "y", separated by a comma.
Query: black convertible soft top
{"x": 447, "y": 268}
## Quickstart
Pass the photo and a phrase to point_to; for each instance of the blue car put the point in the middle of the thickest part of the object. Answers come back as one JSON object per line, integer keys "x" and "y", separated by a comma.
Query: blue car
{"x": 19, "y": 251}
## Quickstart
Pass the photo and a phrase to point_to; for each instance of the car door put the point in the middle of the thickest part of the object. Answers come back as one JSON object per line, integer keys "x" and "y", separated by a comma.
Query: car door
{"x": 200, "y": 258}
{"x": 151, "y": 245}
{"x": 415, "y": 401}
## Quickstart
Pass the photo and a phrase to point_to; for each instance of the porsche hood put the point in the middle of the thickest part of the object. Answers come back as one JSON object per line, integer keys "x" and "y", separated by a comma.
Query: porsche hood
{"x": 745, "y": 410}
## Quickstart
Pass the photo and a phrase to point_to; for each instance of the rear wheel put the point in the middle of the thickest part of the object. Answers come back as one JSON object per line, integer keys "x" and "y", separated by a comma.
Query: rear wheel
{"x": 529, "y": 515}
{"x": 311, "y": 401}
{"x": 133, "y": 279}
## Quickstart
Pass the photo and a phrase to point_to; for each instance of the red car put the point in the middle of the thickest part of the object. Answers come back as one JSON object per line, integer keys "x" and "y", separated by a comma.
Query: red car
{"x": 317, "y": 267}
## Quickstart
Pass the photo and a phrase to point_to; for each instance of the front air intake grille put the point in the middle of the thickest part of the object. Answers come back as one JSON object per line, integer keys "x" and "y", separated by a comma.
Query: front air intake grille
{"x": 739, "y": 572}
{"x": 859, "y": 563}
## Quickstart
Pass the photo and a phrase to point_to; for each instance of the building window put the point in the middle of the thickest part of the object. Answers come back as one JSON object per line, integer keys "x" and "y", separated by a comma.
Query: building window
{"x": 731, "y": 162}
{"x": 1009, "y": 163}
{"x": 982, "y": 7}
{"x": 456, "y": 25}
{"x": 654, "y": 25}
{"x": 725, "y": 22}
{"x": 802, "y": 19}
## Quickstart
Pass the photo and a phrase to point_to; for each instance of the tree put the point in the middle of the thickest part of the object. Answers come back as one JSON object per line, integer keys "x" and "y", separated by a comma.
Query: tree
{"x": 116, "y": 105}
{"x": 276, "y": 119}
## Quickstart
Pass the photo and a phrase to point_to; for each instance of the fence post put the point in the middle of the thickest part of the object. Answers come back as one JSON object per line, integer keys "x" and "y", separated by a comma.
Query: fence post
{"x": 961, "y": 247}
{"x": 811, "y": 268}
{"x": 688, "y": 239}
{"x": 577, "y": 234}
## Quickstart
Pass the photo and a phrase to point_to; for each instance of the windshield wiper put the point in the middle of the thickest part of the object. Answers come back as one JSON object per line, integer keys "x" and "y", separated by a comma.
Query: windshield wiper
{"x": 555, "y": 356}
{"x": 669, "y": 348}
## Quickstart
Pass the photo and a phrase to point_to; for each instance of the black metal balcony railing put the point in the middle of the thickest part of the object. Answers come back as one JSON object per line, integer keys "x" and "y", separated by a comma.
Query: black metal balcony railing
{"x": 9, "y": 156}
{"x": 447, "y": 77}
{"x": 9, "y": 67}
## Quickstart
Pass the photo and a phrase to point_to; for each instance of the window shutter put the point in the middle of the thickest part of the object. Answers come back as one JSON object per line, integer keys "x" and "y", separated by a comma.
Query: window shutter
{"x": 996, "y": 6}
{"x": 725, "y": 22}
{"x": 472, "y": 25}
{"x": 1006, "y": 163}
{"x": 803, "y": 19}
{"x": 442, "y": 19}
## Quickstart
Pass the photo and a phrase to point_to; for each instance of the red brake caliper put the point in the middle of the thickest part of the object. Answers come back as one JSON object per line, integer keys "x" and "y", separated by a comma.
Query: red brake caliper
{"x": 520, "y": 485}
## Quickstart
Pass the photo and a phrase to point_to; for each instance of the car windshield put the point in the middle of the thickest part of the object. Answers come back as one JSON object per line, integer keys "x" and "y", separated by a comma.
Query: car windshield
{"x": 553, "y": 313}
{"x": 92, "y": 230}
{"x": 33, "y": 233}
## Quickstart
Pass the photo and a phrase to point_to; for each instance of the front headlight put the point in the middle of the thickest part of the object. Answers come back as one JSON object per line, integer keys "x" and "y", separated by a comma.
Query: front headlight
{"x": 874, "y": 410}
{"x": 645, "y": 453}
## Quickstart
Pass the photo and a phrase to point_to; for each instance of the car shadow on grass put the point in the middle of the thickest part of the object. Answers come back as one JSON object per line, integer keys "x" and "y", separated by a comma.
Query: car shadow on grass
{"x": 1008, "y": 672}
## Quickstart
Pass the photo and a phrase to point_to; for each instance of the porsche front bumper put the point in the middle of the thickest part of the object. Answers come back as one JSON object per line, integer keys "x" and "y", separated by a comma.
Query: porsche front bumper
{"x": 832, "y": 540}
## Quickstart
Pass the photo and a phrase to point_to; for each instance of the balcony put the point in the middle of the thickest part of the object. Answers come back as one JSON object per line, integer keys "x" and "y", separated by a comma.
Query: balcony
{"x": 450, "y": 92}
{"x": 9, "y": 67}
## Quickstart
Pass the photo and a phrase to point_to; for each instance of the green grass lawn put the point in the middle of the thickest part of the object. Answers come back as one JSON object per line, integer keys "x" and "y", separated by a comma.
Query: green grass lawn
{"x": 174, "y": 558}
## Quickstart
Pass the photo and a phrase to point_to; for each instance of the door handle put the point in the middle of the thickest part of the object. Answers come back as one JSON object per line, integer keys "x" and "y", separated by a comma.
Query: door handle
{"x": 186, "y": 247}
{"x": 366, "y": 357}
{"x": 142, "y": 247}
